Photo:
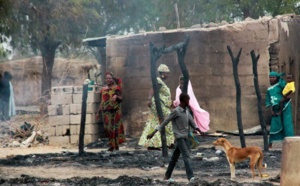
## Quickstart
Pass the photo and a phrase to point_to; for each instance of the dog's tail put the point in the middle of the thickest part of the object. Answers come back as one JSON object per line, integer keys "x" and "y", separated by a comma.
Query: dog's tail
{"x": 260, "y": 161}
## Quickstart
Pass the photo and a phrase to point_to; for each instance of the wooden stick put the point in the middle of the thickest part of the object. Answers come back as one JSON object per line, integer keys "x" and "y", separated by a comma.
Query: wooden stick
{"x": 259, "y": 99}
{"x": 235, "y": 62}
{"x": 83, "y": 117}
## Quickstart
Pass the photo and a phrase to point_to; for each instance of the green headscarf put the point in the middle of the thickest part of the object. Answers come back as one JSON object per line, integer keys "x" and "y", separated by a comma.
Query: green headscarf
{"x": 281, "y": 81}
{"x": 274, "y": 74}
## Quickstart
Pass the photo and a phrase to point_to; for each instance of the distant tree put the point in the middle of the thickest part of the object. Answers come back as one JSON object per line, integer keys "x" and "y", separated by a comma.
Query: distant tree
{"x": 48, "y": 26}
{"x": 110, "y": 17}
{"x": 278, "y": 7}
{"x": 4, "y": 11}
{"x": 162, "y": 13}
{"x": 257, "y": 8}
{"x": 43, "y": 26}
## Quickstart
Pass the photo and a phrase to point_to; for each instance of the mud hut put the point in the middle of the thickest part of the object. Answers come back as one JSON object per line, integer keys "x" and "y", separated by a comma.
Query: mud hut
{"x": 210, "y": 67}
{"x": 207, "y": 59}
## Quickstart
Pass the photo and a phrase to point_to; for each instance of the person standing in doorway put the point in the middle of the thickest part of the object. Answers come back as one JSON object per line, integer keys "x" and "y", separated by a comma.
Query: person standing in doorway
{"x": 5, "y": 95}
{"x": 11, "y": 104}
{"x": 1, "y": 99}
{"x": 110, "y": 106}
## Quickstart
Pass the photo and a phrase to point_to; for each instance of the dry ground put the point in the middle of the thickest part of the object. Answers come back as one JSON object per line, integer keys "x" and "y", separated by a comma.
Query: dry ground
{"x": 63, "y": 162}
{"x": 61, "y": 165}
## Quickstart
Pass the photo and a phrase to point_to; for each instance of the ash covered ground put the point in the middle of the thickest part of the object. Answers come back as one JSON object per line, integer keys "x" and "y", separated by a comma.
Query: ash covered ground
{"x": 211, "y": 169}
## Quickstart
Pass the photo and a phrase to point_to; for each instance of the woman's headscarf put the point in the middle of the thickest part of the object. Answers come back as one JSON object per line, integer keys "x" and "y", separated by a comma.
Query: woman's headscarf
{"x": 281, "y": 81}
{"x": 274, "y": 74}
{"x": 7, "y": 75}
{"x": 118, "y": 81}
{"x": 163, "y": 68}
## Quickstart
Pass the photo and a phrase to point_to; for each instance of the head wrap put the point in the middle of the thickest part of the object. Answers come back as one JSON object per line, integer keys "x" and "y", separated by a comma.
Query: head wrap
{"x": 281, "y": 81}
{"x": 117, "y": 80}
{"x": 109, "y": 73}
{"x": 274, "y": 74}
{"x": 7, "y": 75}
{"x": 163, "y": 68}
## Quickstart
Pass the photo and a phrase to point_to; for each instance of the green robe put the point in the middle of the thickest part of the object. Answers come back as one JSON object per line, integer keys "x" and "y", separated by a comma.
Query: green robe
{"x": 282, "y": 125}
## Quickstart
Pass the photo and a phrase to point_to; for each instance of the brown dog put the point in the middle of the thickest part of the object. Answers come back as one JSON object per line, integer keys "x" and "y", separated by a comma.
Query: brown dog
{"x": 235, "y": 155}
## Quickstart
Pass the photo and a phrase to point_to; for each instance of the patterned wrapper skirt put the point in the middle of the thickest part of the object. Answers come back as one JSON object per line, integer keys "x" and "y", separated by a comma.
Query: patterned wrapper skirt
{"x": 151, "y": 123}
{"x": 113, "y": 126}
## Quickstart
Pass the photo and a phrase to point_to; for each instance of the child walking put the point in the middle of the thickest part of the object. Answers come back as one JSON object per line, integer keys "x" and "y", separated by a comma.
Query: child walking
{"x": 181, "y": 120}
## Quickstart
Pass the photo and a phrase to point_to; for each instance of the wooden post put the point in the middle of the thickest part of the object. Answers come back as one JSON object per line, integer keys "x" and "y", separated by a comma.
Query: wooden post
{"x": 154, "y": 56}
{"x": 83, "y": 116}
{"x": 259, "y": 100}
{"x": 235, "y": 62}
{"x": 180, "y": 56}
{"x": 102, "y": 52}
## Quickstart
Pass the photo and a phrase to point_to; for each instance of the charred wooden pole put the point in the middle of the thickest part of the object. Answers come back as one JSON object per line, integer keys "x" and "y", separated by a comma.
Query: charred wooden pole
{"x": 155, "y": 54}
{"x": 102, "y": 54}
{"x": 259, "y": 99}
{"x": 83, "y": 116}
{"x": 180, "y": 55}
{"x": 235, "y": 62}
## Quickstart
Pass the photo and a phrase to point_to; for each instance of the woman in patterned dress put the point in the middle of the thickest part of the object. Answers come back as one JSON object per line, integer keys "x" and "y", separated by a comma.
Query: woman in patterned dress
{"x": 110, "y": 106}
{"x": 153, "y": 121}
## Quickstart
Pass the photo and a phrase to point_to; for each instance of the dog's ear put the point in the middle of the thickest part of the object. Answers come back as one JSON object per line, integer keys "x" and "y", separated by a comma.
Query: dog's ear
{"x": 222, "y": 141}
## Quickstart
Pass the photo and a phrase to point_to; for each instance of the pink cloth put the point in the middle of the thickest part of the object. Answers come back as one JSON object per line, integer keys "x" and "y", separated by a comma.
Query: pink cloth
{"x": 201, "y": 117}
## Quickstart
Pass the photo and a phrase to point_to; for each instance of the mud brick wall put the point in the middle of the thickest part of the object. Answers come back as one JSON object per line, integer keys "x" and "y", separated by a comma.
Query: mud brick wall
{"x": 209, "y": 65}
{"x": 288, "y": 58}
{"x": 65, "y": 115}
{"x": 27, "y": 76}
